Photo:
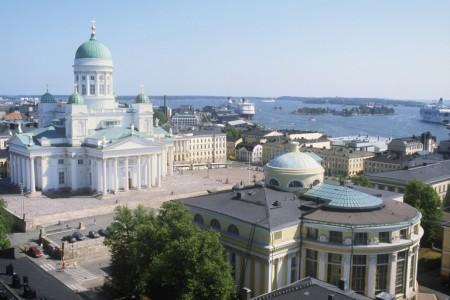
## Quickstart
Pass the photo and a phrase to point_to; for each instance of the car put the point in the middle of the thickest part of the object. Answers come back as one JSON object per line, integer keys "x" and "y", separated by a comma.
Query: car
{"x": 34, "y": 251}
{"x": 93, "y": 234}
{"x": 78, "y": 236}
{"x": 103, "y": 232}
{"x": 69, "y": 239}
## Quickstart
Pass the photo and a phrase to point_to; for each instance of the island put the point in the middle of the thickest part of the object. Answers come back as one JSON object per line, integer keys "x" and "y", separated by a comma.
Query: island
{"x": 362, "y": 110}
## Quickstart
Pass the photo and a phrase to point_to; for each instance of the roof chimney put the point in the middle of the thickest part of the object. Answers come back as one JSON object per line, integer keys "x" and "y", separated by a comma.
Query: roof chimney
{"x": 245, "y": 294}
{"x": 293, "y": 146}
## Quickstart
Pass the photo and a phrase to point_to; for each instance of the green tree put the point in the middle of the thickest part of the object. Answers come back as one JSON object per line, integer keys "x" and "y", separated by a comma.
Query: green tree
{"x": 159, "y": 114}
{"x": 427, "y": 201}
{"x": 361, "y": 180}
{"x": 166, "y": 256}
{"x": 232, "y": 132}
{"x": 6, "y": 224}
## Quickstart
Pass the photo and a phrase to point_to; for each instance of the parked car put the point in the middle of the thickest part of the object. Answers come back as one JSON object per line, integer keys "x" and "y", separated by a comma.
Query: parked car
{"x": 93, "y": 234}
{"x": 69, "y": 238}
{"x": 78, "y": 235}
{"x": 103, "y": 232}
{"x": 34, "y": 251}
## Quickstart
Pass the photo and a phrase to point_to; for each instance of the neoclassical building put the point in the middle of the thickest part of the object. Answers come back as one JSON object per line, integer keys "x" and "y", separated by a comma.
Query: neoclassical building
{"x": 296, "y": 225}
{"x": 91, "y": 143}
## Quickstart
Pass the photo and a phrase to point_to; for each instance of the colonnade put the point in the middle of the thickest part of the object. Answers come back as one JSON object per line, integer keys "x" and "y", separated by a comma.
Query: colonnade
{"x": 22, "y": 172}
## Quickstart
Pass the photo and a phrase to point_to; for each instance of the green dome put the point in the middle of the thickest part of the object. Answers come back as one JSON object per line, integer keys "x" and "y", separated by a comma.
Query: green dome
{"x": 76, "y": 98}
{"x": 47, "y": 98}
{"x": 141, "y": 98}
{"x": 93, "y": 49}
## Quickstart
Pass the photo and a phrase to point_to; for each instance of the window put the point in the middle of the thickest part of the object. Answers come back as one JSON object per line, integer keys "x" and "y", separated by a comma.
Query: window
{"x": 102, "y": 89}
{"x": 80, "y": 161}
{"x": 274, "y": 182}
{"x": 198, "y": 219}
{"x": 412, "y": 275}
{"x": 92, "y": 89}
{"x": 360, "y": 238}
{"x": 215, "y": 224}
{"x": 312, "y": 233}
{"x": 83, "y": 77}
{"x": 233, "y": 229}
{"x": 311, "y": 263}
{"x": 334, "y": 268}
{"x": 335, "y": 236}
{"x": 295, "y": 184}
{"x": 60, "y": 161}
{"x": 384, "y": 237}
{"x": 61, "y": 177}
{"x": 416, "y": 229}
{"x": 101, "y": 77}
{"x": 382, "y": 271}
{"x": 83, "y": 89}
{"x": 278, "y": 235}
{"x": 401, "y": 272}
{"x": 293, "y": 269}
{"x": 403, "y": 234}
{"x": 359, "y": 273}
{"x": 92, "y": 77}
{"x": 76, "y": 78}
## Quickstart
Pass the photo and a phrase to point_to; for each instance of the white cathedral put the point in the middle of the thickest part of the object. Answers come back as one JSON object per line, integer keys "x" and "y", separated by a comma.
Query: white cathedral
{"x": 90, "y": 143}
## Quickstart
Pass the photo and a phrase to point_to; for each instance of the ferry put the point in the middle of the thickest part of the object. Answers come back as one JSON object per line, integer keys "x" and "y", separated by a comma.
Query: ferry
{"x": 436, "y": 113}
{"x": 242, "y": 107}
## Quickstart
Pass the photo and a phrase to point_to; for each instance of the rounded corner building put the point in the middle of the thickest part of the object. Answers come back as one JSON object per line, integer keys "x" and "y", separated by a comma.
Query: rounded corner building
{"x": 297, "y": 225}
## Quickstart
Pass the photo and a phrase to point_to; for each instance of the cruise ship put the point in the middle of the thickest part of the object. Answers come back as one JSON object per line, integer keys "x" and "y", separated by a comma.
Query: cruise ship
{"x": 242, "y": 107}
{"x": 436, "y": 113}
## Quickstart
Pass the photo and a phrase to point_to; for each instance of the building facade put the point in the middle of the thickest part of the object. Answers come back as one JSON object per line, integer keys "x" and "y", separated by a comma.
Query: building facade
{"x": 199, "y": 149}
{"x": 445, "y": 261}
{"x": 295, "y": 225}
{"x": 90, "y": 143}
{"x": 249, "y": 153}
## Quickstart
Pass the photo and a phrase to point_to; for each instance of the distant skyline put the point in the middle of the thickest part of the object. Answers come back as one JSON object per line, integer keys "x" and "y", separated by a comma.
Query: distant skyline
{"x": 383, "y": 49}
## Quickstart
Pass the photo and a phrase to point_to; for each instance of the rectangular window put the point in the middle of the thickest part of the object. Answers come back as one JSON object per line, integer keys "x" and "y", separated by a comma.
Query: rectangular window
{"x": 92, "y": 77}
{"x": 293, "y": 269}
{"x": 312, "y": 233}
{"x": 61, "y": 177}
{"x": 334, "y": 268}
{"x": 83, "y": 77}
{"x": 311, "y": 263}
{"x": 60, "y": 161}
{"x": 401, "y": 272}
{"x": 83, "y": 89}
{"x": 404, "y": 234}
{"x": 384, "y": 237}
{"x": 382, "y": 271}
{"x": 360, "y": 238}
{"x": 336, "y": 236}
{"x": 76, "y": 78}
{"x": 278, "y": 235}
{"x": 102, "y": 89}
{"x": 359, "y": 273}
{"x": 80, "y": 161}
{"x": 92, "y": 89}
{"x": 416, "y": 229}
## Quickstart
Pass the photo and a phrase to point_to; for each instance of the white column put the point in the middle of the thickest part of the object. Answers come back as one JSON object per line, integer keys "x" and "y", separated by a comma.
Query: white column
{"x": 88, "y": 84}
{"x": 105, "y": 181}
{"x": 289, "y": 268}
{"x": 26, "y": 174}
{"x": 171, "y": 158}
{"x": 139, "y": 177}
{"x": 372, "y": 269}
{"x": 99, "y": 176}
{"x": 127, "y": 180}
{"x": 116, "y": 176}
{"x": 12, "y": 168}
{"x": 73, "y": 174}
{"x": 268, "y": 279}
{"x": 154, "y": 169}
{"x": 158, "y": 170}
{"x": 392, "y": 272}
{"x": 149, "y": 171}
{"x": 20, "y": 173}
{"x": 32, "y": 176}
{"x": 346, "y": 270}
{"x": 93, "y": 175}
{"x": 408, "y": 270}
{"x": 279, "y": 272}
{"x": 323, "y": 260}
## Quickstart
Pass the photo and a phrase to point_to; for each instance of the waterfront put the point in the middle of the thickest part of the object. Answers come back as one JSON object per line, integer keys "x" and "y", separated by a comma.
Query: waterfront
{"x": 405, "y": 122}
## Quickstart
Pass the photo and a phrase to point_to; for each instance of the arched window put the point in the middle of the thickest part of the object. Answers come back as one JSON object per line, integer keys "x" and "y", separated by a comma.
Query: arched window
{"x": 198, "y": 219}
{"x": 274, "y": 182}
{"x": 295, "y": 184}
{"x": 215, "y": 224}
{"x": 316, "y": 182}
{"x": 233, "y": 229}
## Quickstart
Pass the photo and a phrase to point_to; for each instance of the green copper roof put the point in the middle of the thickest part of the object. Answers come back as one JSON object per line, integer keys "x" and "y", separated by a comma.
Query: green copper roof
{"x": 141, "y": 98}
{"x": 75, "y": 98}
{"x": 47, "y": 98}
{"x": 344, "y": 198}
{"x": 93, "y": 49}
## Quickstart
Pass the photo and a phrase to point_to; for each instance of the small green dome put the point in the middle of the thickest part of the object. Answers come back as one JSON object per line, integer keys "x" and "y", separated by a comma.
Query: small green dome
{"x": 75, "y": 98}
{"x": 141, "y": 98}
{"x": 47, "y": 98}
{"x": 93, "y": 49}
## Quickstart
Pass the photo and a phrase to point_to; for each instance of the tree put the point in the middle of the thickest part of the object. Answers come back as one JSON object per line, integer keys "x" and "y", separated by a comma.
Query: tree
{"x": 232, "y": 133}
{"x": 361, "y": 180}
{"x": 166, "y": 256}
{"x": 427, "y": 201}
{"x": 159, "y": 114}
{"x": 6, "y": 225}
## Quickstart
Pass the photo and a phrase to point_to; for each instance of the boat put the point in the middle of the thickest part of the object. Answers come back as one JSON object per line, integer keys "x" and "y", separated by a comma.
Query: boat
{"x": 436, "y": 113}
{"x": 268, "y": 100}
{"x": 242, "y": 107}
{"x": 312, "y": 119}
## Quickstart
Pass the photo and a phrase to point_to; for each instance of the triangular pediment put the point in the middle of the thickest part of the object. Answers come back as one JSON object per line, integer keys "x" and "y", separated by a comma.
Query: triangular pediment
{"x": 131, "y": 143}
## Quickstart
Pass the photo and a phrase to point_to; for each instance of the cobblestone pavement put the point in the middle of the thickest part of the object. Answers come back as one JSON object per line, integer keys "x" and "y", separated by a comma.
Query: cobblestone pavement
{"x": 41, "y": 210}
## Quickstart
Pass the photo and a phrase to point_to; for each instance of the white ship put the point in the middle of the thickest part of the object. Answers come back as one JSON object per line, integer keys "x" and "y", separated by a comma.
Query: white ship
{"x": 436, "y": 113}
{"x": 242, "y": 107}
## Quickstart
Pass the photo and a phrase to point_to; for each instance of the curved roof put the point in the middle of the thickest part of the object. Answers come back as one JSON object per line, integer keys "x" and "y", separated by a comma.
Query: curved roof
{"x": 344, "y": 198}
{"x": 75, "y": 98}
{"x": 294, "y": 160}
{"x": 47, "y": 98}
{"x": 141, "y": 98}
{"x": 93, "y": 49}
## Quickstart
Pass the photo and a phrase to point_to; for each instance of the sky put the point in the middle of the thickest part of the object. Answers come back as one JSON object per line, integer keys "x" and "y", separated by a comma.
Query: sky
{"x": 381, "y": 48}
